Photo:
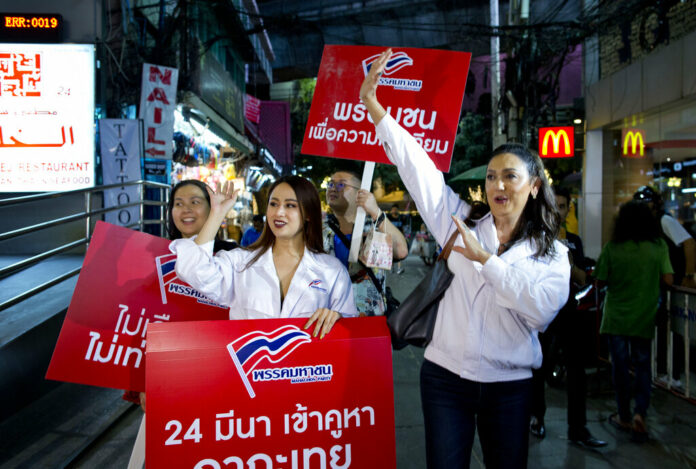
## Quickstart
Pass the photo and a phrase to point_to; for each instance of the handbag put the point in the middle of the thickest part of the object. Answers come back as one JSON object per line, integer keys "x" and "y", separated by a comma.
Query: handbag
{"x": 377, "y": 250}
{"x": 414, "y": 321}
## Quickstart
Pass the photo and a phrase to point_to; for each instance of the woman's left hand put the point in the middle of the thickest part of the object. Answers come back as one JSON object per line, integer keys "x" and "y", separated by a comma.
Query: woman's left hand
{"x": 325, "y": 319}
{"x": 472, "y": 249}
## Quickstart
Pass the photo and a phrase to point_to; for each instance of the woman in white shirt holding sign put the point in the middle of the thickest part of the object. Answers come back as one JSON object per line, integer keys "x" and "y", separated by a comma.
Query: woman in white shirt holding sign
{"x": 510, "y": 279}
{"x": 283, "y": 274}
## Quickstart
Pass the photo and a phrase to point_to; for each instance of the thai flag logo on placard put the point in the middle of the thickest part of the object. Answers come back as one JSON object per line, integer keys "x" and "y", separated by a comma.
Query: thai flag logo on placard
{"x": 397, "y": 61}
{"x": 248, "y": 350}
{"x": 166, "y": 273}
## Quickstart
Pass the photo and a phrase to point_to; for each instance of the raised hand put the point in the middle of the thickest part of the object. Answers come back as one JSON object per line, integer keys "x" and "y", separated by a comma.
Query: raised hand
{"x": 223, "y": 198}
{"x": 368, "y": 89}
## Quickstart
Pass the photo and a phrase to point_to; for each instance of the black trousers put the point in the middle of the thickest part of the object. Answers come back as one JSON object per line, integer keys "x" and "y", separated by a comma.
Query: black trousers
{"x": 568, "y": 329}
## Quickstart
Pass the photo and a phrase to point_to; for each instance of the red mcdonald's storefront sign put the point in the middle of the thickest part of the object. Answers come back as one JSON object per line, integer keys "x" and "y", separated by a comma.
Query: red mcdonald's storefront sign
{"x": 633, "y": 143}
{"x": 556, "y": 142}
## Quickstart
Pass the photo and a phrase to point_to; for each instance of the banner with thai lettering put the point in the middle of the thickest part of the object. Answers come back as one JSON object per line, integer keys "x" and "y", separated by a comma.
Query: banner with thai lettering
{"x": 121, "y": 149}
{"x": 421, "y": 88}
{"x": 126, "y": 284}
{"x": 157, "y": 105}
{"x": 265, "y": 393}
{"x": 46, "y": 117}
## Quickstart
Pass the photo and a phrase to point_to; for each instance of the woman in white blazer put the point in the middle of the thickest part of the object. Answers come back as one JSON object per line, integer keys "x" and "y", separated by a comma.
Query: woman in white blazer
{"x": 283, "y": 274}
{"x": 511, "y": 277}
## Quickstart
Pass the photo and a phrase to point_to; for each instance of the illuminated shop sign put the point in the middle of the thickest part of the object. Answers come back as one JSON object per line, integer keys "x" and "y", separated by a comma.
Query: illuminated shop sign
{"x": 556, "y": 142}
{"x": 633, "y": 143}
{"x": 30, "y": 27}
{"x": 46, "y": 117}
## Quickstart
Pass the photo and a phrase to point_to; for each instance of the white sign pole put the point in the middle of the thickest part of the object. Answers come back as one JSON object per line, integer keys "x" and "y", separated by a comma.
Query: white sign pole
{"x": 366, "y": 184}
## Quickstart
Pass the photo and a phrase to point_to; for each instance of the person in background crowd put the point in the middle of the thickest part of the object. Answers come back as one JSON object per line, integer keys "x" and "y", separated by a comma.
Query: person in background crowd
{"x": 187, "y": 211}
{"x": 254, "y": 231}
{"x": 632, "y": 265}
{"x": 511, "y": 276}
{"x": 422, "y": 245}
{"x": 682, "y": 255}
{"x": 399, "y": 222}
{"x": 344, "y": 196}
{"x": 567, "y": 327}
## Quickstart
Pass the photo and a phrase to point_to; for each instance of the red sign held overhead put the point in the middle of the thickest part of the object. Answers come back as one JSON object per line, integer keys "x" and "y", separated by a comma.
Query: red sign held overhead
{"x": 127, "y": 283}
{"x": 421, "y": 88}
{"x": 556, "y": 142}
{"x": 234, "y": 393}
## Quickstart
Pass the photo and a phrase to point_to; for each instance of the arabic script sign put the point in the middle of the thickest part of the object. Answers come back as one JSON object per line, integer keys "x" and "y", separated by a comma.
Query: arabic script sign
{"x": 46, "y": 117}
{"x": 422, "y": 89}
{"x": 264, "y": 393}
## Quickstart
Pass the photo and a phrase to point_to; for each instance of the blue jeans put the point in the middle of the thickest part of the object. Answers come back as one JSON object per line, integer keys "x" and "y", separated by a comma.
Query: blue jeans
{"x": 626, "y": 351}
{"x": 454, "y": 407}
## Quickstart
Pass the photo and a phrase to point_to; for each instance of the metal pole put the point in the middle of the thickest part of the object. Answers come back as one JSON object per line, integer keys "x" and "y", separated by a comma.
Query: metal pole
{"x": 687, "y": 372}
{"x": 495, "y": 72}
{"x": 88, "y": 209}
{"x": 142, "y": 206}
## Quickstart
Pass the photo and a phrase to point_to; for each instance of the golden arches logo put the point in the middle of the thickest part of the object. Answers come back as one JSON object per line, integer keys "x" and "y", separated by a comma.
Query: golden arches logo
{"x": 556, "y": 135}
{"x": 636, "y": 138}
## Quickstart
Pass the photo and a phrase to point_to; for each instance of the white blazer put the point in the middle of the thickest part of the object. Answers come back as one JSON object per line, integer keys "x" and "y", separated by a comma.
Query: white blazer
{"x": 320, "y": 281}
{"x": 488, "y": 318}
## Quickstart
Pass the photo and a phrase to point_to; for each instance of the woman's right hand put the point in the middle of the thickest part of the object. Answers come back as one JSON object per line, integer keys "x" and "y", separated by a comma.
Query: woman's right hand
{"x": 223, "y": 198}
{"x": 368, "y": 89}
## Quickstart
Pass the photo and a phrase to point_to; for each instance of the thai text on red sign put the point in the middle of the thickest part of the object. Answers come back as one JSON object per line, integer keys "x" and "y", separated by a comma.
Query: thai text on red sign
{"x": 126, "y": 284}
{"x": 238, "y": 393}
{"x": 421, "y": 88}
{"x": 157, "y": 105}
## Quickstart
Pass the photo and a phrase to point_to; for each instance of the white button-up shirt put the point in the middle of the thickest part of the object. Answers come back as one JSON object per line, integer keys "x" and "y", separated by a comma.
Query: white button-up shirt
{"x": 320, "y": 281}
{"x": 488, "y": 318}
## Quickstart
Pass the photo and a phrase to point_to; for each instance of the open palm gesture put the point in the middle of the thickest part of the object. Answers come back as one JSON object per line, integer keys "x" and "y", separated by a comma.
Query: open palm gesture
{"x": 223, "y": 198}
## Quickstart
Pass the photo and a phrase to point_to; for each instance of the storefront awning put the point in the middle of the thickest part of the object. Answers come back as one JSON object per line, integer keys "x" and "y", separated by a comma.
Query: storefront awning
{"x": 237, "y": 140}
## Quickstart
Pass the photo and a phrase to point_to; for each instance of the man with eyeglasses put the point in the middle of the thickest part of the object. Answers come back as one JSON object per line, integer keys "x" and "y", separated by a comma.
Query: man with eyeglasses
{"x": 344, "y": 196}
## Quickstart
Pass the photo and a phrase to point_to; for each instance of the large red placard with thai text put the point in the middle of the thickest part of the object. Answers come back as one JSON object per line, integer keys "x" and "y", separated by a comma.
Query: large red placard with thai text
{"x": 243, "y": 393}
{"x": 126, "y": 284}
{"x": 421, "y": 88}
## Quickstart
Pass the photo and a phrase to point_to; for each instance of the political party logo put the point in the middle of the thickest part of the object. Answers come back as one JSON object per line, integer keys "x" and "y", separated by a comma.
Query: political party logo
{"x": 252, "y": 348}
{"x": 633, "y": 142}
{"x": 556, "y": 142}
{"x": 316, "y": 284}
{"x": 169, "y": 282}
{"x": 396, "y": 62}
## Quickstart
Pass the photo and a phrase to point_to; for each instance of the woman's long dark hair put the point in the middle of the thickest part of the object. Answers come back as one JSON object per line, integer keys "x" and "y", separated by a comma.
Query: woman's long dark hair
{"x": 310, "y": 210}
{"x": 635, "y": 222}
{"x": 540, "y": 220}
{"x": 172, "y": 231}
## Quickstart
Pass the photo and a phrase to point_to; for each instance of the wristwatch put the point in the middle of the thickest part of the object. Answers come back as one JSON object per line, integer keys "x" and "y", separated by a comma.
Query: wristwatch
{"x": 380, "y": 218}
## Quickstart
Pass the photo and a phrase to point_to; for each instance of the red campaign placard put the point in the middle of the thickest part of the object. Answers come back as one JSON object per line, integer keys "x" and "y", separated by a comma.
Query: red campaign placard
{"x": 126, "y": 284}
{"x": 421, "y": 88}
{"x": 237, "y": 393}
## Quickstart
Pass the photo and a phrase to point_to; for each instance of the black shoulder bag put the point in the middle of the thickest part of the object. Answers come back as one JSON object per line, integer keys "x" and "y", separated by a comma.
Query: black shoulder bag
{"x": 414, "y": 321}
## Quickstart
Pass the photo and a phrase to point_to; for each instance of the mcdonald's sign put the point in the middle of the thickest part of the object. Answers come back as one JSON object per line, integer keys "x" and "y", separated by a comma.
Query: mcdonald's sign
{"x": 556, "y": 142}
{"x": 633, "y": 143}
